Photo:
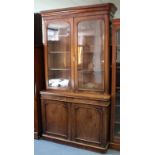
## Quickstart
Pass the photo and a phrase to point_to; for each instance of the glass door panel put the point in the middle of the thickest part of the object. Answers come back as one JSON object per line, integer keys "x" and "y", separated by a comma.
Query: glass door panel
{"x": 117, "y": 95}
{"x": 90, "y": 70}
{"x": 59, "y": 66}
{"x": 118, "y": 46}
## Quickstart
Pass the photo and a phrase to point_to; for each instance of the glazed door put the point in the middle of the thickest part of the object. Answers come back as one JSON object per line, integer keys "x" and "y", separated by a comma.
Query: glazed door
{"x": 58, "y": 54}
{"x": 115, "y": 108}
{"x": 116, "y": 91}
{"x": 89, "y": 53}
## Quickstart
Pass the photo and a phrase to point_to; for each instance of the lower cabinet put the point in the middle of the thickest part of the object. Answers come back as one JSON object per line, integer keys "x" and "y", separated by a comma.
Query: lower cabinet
{"x": 55, "y": 118}
{"x": 88, "y": 124}
{"x": 81, "y": 124}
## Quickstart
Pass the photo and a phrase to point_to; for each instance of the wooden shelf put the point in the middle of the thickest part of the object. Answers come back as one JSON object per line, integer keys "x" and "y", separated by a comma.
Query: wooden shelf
{"x": 117, "y": 105}
{"x": 117, "y": 122}
{"x": 117, "y": 134}
{"x": 57, "y": 52}
{"x": 88, "y": 52}
{"x": 89, "y": 71}
{"x": 59, "y": 69}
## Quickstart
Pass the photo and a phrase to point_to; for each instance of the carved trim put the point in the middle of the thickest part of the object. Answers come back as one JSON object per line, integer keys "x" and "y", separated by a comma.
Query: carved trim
{"x": 88, "y": 141}
{"x": 102, "y": 97}
{"x": 56, "y": 134}
{"x": 106, "y": 8}
{"x": 102, "y": 149}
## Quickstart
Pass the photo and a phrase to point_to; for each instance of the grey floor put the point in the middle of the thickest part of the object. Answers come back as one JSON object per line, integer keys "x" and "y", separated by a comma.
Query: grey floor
{"x": 43, "y": 147}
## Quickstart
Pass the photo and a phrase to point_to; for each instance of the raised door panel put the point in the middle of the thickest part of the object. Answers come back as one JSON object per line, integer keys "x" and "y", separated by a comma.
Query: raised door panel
{"x": 87, "y": 124}
{"x": 56, "y": 118}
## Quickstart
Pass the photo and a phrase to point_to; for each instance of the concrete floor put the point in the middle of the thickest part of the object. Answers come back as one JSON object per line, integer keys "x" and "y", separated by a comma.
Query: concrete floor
{"x": 43, "y": 147}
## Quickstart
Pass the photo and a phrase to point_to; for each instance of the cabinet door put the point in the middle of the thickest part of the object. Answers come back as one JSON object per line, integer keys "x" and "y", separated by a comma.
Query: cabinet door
{"x": 58, "y": 54}
{"x": 89, "y": 53}
{"x": 89, "y": 124}
{"x": 55, "y": 115}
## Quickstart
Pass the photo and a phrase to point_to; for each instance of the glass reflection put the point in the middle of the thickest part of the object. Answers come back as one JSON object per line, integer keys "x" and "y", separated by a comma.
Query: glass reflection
{"x": 90, "y": 54}
{"x": 59, "y": 55}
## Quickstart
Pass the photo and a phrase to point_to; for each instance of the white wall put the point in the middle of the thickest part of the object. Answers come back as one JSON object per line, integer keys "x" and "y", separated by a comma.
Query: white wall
{"x": 40, "y": 5}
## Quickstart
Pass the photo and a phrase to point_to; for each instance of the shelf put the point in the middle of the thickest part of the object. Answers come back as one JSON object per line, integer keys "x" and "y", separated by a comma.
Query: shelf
{"x": 60, "y": 35}
{"x": 59, "y": 69}
{"x": 117, "y": 129}
{"x": 84, "y": 45}
{"x": 117, "y": 105}
{"x": 118, "y": 88}
{"x": 117, "y": 134}
{"x": 56, "y": 52}
{"x": 117, "y": 122}
{"x": 94, "y": 89}
{"x": 89, "y": 71}
{"x": 89, "y": 52}
{"x": 118, "y": 67}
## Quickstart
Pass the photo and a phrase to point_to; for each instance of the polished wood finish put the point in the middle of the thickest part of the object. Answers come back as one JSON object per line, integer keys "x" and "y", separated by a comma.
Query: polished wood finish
{"x": 73, "y": 16}
{"x": 39, "y": 82}
{"x": 115, "y": 94}
{"x": 80, "y": 122}
{"x": 75, "y": 116}
{"x": 108, "y": 9}
{"x": 55, "y": 118}
{"x": 37, "y": 29}
{"x": 88, "y": 124}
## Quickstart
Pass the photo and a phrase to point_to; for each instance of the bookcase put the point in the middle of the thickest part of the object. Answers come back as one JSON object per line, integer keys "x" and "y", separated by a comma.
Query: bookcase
{"x": 39, "y": 83}
{"x": 115, "y": 86}
{"x": 76, "y": 101}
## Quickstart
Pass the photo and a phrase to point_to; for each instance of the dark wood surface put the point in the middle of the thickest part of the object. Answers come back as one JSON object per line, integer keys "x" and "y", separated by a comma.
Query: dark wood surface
{"x": 37, "y": 29}
{"x": 71, "y": 116}
{"x": 73, "y": 16}
{"x": 39, "y": 82}
{"x": 114, "y": 140}
{"x": 107, "y": 8}
{"x": 76, "y": 144}
{"x": 83, "y": 124}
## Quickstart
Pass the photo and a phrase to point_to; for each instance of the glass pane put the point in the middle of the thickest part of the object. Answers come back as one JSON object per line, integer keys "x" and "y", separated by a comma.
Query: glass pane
{"x": 117, "y": 130}
{"x": 117, "y": 117}
{"x": 118, "y": 46}
{"x": 117, "y": 97}
{"x": 117, "y": 75}
{"x": 59, "y": 66}
{"x": 90, "y": 54}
